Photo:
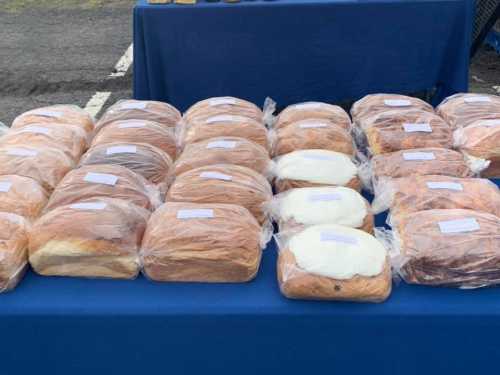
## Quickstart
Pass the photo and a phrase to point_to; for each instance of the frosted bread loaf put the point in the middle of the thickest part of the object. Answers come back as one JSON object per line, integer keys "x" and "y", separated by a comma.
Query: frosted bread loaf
{"x": 23, "y": 196}
{"x": 223, "y": 150}
{"x": 91, "y": 238}
{"x": 333, "y": 262}
{"x": 223, "y": 183}
{"x": 202, "y": 243}
{"x": 313, "y": 110}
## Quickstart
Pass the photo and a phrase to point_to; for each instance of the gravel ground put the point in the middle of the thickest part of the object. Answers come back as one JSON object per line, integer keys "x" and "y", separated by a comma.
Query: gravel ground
{"x": 61, "y": 51}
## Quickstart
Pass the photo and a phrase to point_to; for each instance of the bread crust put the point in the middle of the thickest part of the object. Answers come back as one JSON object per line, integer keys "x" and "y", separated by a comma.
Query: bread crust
{"x": 285, "y": 184}
{"x": 25, "y": 197}
{"x": 298, "y": 284}
{"x": 323, "y": 111}
{"x": 241, "y": 107}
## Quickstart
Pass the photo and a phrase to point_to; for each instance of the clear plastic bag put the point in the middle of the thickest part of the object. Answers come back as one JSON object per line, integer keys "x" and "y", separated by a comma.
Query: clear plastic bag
{"x": 223, "y": 150}
{"x": 311, "y": 134}
{"x": 223, "y": 183}
{"x": 373, "y": 104}
{"x": 104, "y": 181}
{"x": 44, "y": 164}
{"x": 481, "y": 139}
{"x": 418, "y": 193}
{"x": 91, "y": 238}
{"x": 58, "y": 114}
{"x": 149, "y": 161}
{"x": 333, "y": 262}
{"x": 298, "y": 208}
{"x": 451, "y": 247}
{"x": 70, "y": 139}
{"x": 395, "y": 130}
{"x": 23, "y": 196}
{"x": 315, "y": 168}
{"x": 313, "y": 110}
{"x": 463, "y": 109}
{"x": 13, "y": 250}
{"x": 202, "y": 243}
{"x": 162, "y": 113}
{"x": 130, "y": 131}
{"x": 202, "y": 128}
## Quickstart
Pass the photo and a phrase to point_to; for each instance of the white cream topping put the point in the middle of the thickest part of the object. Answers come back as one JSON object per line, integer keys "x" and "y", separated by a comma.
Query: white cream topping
{"x": 338, "y": 252}
{"x": 310, "y": 206}
{"x": 318, "y": 166}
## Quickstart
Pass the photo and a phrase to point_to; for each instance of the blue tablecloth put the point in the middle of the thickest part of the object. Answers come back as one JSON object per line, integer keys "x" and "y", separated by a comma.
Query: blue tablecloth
{"x": 296, "y": 50}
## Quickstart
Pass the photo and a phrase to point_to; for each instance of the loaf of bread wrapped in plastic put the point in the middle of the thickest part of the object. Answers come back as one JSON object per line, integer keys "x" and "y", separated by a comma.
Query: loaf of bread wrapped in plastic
{"x": 13, "y": 250}
{"x": 209, "y": 242}
{"x": 130, "y": 131}
{"x": 58, "y": 114}
{"x": 451, "y": 247}
{"x": 313, "y": 110}
{"x": 321, "y": 205}
{"x": 311, "y": 134}
{"x": 315, "y": 168}
{"x": 91, "y": 238}
{"x": 23, "y": 196}
{"x": 223, "y": 150}
{"x": 333, "y": 262}
{"x": 162, "y": 113}
{"x": 104, "y": 181}
{"x": 223, "y": 183}
{"x": 463, "y": 109}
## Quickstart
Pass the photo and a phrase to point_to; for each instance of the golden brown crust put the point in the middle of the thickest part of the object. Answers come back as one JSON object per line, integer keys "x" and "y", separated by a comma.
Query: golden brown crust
{"x": 298, "y": 284}
{"x": 285, "y": 184}
{"x": 149, "y": 161}
{"x": 313, "y": 110}
{"x": 25, "y": 197}
{"x": 246, "y": 188}
{"x": 69, "y": 241}
{"x": 246, "y": 153}
{"x": 295, "y": 137}
{"x": 130, "y": 186}
{"x": 152, "y": 133}
{"x": 446, "y": 162}
{"x": 162, "y": 113}
{"x": 458, "y": 113}
{"x": 203, "y": 109}
{"x": 385, "y": 131}
{"x": 65, "y": 114}
{"x": 224, "y": 248}
{"x": 466, "y": 259}
{"x": 13, "y": 249}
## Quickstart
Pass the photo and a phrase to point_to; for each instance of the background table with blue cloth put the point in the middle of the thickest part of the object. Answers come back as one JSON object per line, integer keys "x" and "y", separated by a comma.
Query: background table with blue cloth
{"x": 53, "y": 325}
{"x": 297, "y": 50}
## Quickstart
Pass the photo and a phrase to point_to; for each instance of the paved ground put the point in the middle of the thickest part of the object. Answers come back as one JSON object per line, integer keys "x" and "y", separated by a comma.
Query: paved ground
{"x": 61, "y": 51}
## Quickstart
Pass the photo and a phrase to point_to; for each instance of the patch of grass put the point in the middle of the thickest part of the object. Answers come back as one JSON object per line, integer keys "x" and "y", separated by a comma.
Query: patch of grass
{"x": 15, "y": 6}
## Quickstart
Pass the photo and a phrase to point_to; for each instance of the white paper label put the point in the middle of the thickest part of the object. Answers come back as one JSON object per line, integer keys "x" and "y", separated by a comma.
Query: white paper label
{"x": 5, "y": 186}
{"x": 221, "y": 144}
{"x": 220, "y": 101}
{"x": 335, "y": 237}
{"x": 121, "y": 150}
{"x": 45, "y": 113}
{"x": 101, "y": 178}
{"x": 313, "y": 125}
{"x": 133, "y": 105}
{"x": 477, "y": 99}
{"x": 459, "y": 226}
{"x": 221, "y": 118}
{"x": 324, "y": 197}
{"x": 397, "y": 103}
{"x": 308, "y": 106}
{"x": 419, "y": 156}
{"x": 417, "y": 127}
{"x": 318, "y": 157}
{"x": 21, "y": 152}
{"x": 216, "y": 176}
{"x": 445, "y": 185}
{"x": 195, "y": 214}
{"x": 495, "y": 122}
{"x": 35, "y": 129}
{"x": 89, "y": 206}
{"x": 131, "y": 125}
